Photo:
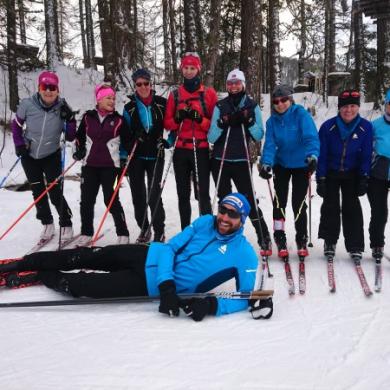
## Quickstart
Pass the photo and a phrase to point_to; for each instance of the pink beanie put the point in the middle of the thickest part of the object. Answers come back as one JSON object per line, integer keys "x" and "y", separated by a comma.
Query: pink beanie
{"x": 102, "y": 90}
{"x": 49, "y": 78}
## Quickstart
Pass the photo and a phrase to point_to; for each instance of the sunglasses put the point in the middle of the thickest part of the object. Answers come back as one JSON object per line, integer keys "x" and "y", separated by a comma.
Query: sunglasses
{"x": 233, "y": 82}
{"x": 230, "y": 212}
{"x": 347, "y": 94}
{"x": 280, "y": 100}
{"x": 140, "y": 84}
{"x": 50, "y": 87}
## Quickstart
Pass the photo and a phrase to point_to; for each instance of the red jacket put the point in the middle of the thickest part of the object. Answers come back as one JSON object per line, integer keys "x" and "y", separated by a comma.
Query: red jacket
{"x": 193, "y": 100}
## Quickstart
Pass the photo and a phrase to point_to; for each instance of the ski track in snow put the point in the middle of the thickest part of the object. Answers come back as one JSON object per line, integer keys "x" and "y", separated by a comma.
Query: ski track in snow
{"x": 316, "y": 341}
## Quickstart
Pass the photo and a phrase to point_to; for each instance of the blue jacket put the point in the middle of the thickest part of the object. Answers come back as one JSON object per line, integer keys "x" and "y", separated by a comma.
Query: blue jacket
{"x": 353, "y": 154}
{"x": 290, "y": 138}
{"x": 380, "y": 167}
{"x": 235, "y": 150}
{"x": 198, "y": 259}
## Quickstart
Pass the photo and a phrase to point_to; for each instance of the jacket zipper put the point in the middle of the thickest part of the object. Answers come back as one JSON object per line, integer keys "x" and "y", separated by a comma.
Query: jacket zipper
{"x": 343, "y": 156}
{"x": 43, "y": 132}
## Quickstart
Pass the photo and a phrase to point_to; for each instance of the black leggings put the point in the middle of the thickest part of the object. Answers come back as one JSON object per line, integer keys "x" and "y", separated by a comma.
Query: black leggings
{"x": 124, "y": 266}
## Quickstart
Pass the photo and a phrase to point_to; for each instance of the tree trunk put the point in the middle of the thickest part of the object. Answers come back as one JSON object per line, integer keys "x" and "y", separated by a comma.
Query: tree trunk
{"x": 383, "y": 57}
{"x": 332, "y": 36}
{"x": 273, "y": 44}
{"x": 11, "y": 55}
{"x": 258, "y": 52}
{"x": 303, "y": 38}
{"x": 213, "y": 41}
{"x": 172, "y": 25}
{"x": 22, "y": 22}
{"x": 326, "y": 51}
{"x": 358, "y": 47}
{"x": 89, "y": 34}
{"x": 167, "y": 65}
{"x": 199, "y": 29}
{"x": 86, "y": 61}
{"x": 189, "y": 25}
{"x": 52, "y": 37}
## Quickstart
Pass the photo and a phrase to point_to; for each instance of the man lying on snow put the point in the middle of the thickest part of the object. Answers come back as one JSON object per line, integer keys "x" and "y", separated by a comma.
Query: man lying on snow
{"x": 204, "y": 255}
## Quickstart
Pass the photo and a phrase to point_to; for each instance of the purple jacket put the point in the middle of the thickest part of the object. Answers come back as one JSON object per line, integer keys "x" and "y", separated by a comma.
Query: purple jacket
{"x": 102, "y": 139}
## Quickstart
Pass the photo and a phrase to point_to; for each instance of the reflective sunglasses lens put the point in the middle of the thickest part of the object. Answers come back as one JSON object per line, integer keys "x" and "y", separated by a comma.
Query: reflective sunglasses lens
{"x": 231, "y": 213}
{"x": 45, "y": 87}
{"x": 281, "y": 100}
{"x": 145, "y": 84}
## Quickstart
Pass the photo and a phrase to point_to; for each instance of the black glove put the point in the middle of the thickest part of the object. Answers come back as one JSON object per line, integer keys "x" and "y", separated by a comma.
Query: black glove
{"x": 169, "y": 301}
{"x": 194, "y": 115}
{"x": 362, "y": 185}
{"x": 311, "y": 164}
{"x": 246, "y": 117}
{"x": 79, "y": 154}
{"x": 198, "y": 308}
{"x": 66, "y": 113}
{"x": 21, "y": 151}
{"x": 261, "y": 308}
{"x": 321, "y": 186}
{"x": 233, "y": 120}
{"x": 163, "y": 144}
{"x": 180, "y": 115}
{"x": 222, "y": 124}
{"x": 265, "y": 171}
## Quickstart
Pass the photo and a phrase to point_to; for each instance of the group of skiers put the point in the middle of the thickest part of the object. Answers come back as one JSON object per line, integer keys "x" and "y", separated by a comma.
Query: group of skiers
{"x": 209, "y": 136}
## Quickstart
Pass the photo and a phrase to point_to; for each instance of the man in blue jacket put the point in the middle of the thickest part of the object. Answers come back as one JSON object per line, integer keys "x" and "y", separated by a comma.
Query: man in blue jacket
{"x": 344, "y": 166}
{"x": 209, "y": 252}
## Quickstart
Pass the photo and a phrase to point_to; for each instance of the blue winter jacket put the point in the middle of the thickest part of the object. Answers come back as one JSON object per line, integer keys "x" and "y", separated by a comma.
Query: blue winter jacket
{"x": 290, "y": 138}
{"x": 353, "y": 154}
{"x": 199, "y": 258}
{"x": 380, "y": 167}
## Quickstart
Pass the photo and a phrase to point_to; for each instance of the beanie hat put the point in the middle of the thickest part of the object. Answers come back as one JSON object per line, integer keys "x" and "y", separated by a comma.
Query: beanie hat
{"x": 349, "y": 96}
{"x": 387, "y": 97}
{"x": 282, "y": 90}
{"x": 49, "y": 78}
{"x": 239, "y": 202}
{"x": 236, "y": 74}
{"x": 191, "y": 58}
{"x": 103, "y": 90}
{"x": 141, "y": 74}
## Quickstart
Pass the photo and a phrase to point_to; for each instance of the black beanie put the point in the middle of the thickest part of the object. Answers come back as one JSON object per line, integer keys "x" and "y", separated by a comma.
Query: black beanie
{"x": 349, "y": 96}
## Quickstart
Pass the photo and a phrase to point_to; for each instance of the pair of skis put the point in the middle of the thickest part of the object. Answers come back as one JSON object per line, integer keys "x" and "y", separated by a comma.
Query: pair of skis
{"x": 289, "y": 275}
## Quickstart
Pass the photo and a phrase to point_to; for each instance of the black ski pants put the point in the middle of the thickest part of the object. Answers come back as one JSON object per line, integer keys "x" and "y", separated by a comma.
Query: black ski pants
{"x": 377, "y": 195}
{"x": 184, "y": 166}
{"x": 350, "y": 212}
{"x": 91, "y": 180}
{"x": 38, "y": 173}
{"x": 300, "y": 181}
{"x": 238, "y": 172}
{"x": 124, "y": 266}
{"x": 137, "y": 170}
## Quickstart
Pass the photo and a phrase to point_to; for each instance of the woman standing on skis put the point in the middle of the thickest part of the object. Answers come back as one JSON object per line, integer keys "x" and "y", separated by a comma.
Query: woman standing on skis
{"x": 237, "y": 116}
{"x": 188, "y": 115}
{"x": 144, "y": 114}
{"x": 101, "y": 132}
{"x": 344, "y": 166}
{"x": 45, "y": 116}
{"x": 291, "y": 149}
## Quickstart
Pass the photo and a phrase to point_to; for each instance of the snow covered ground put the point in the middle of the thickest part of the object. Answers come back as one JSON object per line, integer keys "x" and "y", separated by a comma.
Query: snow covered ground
{"x": 316, "y": 341}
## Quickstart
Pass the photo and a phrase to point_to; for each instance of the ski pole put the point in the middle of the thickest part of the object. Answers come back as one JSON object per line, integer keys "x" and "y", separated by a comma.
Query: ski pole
{"x": 51, "y": 185}
{"x": 129, "y": 158}
{"x": 196, "y": 168}
{"x": 310, "y": 244}
{"x": 9, "y": 172}
{"x": 220, "y": 169}
{"x": 63, "y": 154}
{"x": 270, "y": 190}
{"x": 257, "y": 294}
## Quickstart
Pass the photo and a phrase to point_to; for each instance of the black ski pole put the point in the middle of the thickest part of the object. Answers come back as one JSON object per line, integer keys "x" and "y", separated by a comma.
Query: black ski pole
{"x": 258, "y": 294}
{"x": 196, "y": 168}
{"x": 310, "y": 244}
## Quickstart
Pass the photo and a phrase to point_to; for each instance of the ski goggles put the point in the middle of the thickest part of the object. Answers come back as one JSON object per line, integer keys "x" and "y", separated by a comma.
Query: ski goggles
{"x": 347, "y": 94}
{"x": 233, "y": 82}
{"x": 48, "y": 87}
{"x": 234, "y": 214}
{"x": 142, "y": 83}
{"x": 283, "y": 99}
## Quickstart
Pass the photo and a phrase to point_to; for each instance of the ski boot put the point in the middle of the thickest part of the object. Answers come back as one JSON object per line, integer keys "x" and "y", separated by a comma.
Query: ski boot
{"x": 20, "y": 279}
{"x": 377, "y": 252}
{"x": 281, "y": 243}
{"x": 302, "y": 248}
{"x": 329, "y": 249}
{"x": 159, "y": 237}
{"x": 266, "y": 249}
{"x": 144, "y": 236}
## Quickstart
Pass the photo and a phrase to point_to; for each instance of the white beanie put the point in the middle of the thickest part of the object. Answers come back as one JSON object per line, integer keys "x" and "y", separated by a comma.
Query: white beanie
{"x": 236, "y": 74}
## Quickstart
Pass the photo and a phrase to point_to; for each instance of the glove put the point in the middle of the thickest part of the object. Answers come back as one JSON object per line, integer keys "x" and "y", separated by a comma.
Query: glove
{"x": 163, "y": 144}
{"x": 261, "y": 308}
{"x": 233, "y": 120}
{"x": 321, "y": 186}
{"x": 362, "y": 185}
{"x": 169, "y": 301}
{"x": 66, "y": 112}
{"x": 264, "y": 171}
{"x": 311, "y": 162}
{"x": 194, "y": 115}
{"x": 79, "y": 154}
{"x": 198, "y": 308}
{"x": 180, "y": 115}
{"x": 21, "y": 151}
{"x": 222, "y": 124}
{"x": 246, "y": 117}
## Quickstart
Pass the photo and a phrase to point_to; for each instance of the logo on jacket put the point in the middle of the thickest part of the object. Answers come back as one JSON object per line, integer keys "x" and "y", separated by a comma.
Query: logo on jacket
{"x": 112, "y": 123}
{"x": 223, "y": 249}
{"x": 355, "y": 136}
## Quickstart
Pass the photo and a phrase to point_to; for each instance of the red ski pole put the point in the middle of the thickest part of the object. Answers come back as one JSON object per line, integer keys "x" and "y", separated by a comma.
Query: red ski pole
{"x": 129, "y": 158}
{"x": 51, "y": 185}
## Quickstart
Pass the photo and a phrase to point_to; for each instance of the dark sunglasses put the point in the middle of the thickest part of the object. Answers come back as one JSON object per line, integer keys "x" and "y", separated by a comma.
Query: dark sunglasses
{"x": 278, "y": 100}
{"x": 140, "y": 84}
{"x": 233, "y": 82}
{"x": 45, "y": 87}
{"x": 230, "y": 212}
{"x": 347, "y": 94}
